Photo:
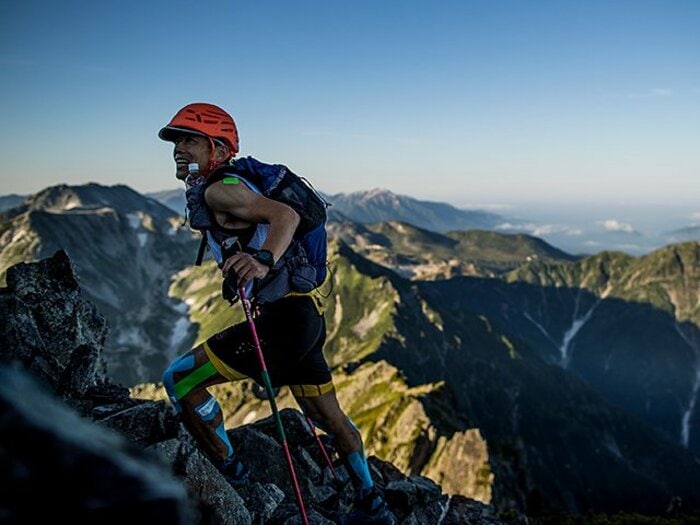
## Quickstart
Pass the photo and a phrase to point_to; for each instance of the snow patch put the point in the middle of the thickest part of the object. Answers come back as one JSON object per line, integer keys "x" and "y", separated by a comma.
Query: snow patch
{"x": 18, "y": 235}
{"x": 685, "y": 420}
{"x": 143, "y": 238}
{"x": 107, "y": 295}
{"x": 181, "y": 327}
{"x": 182, "y": 307}
{"x": 541, "y": 329}
{"x": 576, "y": 325}
{"x": 134, "y": 220}
{"x": 364, "y": 325}
{"x": 131, "y": 337}
{"x": 611, "y": 444}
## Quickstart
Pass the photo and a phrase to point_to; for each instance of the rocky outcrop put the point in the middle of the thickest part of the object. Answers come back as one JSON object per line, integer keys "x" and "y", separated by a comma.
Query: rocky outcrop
{"x": 65, "y": 422}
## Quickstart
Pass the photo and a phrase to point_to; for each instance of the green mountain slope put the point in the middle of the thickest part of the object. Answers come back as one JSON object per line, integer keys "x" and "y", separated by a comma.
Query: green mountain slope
{"x": 422, "y": 254}
{"x": 627, "y": 326}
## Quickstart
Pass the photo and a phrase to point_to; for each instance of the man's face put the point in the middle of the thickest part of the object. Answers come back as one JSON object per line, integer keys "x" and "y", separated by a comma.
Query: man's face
{"x": 188, "y": 149}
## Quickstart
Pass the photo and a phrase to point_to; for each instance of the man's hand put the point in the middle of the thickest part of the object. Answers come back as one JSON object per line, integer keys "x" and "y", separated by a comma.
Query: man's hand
{"x": 245, "y": 267}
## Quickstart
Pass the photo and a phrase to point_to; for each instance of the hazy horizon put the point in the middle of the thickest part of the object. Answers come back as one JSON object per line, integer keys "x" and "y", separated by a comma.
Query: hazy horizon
{"x": 581, "y": 228}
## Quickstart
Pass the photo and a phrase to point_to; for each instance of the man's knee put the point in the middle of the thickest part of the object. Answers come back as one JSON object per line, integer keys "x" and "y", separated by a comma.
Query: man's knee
{"x": 179, "y": 367}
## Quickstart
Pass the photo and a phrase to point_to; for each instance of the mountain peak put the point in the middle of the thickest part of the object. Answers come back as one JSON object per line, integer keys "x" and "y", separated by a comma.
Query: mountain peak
{"x": 63, "y": 198}
{"x": 379, "y": 192}
{"x": 380, "y": 204}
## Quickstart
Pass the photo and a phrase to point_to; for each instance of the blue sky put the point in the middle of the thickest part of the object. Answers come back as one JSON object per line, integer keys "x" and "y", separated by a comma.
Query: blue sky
{"x": 469, "y": 102}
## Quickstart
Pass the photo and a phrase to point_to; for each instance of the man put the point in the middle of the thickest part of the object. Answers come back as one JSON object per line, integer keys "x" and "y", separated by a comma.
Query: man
{"x": 291, "y": 330}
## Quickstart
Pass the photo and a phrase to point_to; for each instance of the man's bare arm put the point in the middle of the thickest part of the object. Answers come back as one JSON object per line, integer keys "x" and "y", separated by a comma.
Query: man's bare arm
{"x": 244, "y": 204}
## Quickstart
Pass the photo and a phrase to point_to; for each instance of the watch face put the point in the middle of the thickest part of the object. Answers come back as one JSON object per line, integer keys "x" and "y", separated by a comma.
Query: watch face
{"x": 265, "y": 257}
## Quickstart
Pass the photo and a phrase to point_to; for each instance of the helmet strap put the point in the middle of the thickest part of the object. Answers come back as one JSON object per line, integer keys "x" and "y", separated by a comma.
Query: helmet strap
{"x": 212, "y": 163}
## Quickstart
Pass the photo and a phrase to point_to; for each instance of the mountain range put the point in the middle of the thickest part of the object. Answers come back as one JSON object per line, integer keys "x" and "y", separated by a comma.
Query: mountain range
{"x": 503, "y": 368}
{"x": 379, "y": 205}
{"x": 577, "y": 229}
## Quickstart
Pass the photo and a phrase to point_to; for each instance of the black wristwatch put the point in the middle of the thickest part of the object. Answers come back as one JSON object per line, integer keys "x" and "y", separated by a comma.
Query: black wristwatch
{"x": 265, "y": 257}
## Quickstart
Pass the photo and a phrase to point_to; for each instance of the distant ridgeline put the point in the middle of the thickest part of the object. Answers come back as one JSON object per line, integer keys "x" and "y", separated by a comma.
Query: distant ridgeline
{"x": 502, "y": 368}
{"x": 377, "y": 206}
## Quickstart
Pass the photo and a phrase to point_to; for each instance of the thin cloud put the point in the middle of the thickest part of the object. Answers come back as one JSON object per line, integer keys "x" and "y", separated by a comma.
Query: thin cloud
{"x": 650, "y": 93}
{"x": 490, "y": 207}
{"x": 540, "y": 230}
{"x": 695, "y": 216}
{"x": 613, "y": 225}
{"x": 628, "y": 247}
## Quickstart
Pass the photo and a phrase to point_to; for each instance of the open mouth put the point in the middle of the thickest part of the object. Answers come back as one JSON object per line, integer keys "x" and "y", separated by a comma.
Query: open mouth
{"x": 182, "y": 162}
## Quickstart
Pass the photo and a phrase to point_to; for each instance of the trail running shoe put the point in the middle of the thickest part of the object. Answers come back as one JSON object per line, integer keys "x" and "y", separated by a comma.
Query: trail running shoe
{"x": 369, "y": 509}
{"x": 235, "y": 472}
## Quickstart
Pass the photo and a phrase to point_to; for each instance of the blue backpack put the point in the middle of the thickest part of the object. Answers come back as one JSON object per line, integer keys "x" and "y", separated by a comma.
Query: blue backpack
{"x": 276, "y": 182}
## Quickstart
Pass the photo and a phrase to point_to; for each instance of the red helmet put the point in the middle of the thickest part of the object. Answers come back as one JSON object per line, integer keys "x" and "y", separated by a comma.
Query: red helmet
{"x": 203, "y": 119}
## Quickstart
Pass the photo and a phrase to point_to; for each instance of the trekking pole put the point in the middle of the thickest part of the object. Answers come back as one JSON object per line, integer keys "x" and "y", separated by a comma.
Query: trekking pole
{"x": 312, "y": 429}
{"x": 273, "y": 404}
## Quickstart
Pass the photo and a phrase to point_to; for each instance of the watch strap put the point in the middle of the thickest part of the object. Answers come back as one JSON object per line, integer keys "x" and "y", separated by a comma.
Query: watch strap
{"x": 265, "y": 257}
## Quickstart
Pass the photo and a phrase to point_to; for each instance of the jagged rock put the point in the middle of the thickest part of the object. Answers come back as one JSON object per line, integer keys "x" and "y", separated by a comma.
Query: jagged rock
{"x": 48, "y": 326}
{"x": 147, "y": 423}
{"x": 289, "y": 515}
{"x": 263, "y": 498}
{"x": 218, "y": 503}
{"x": 46, "y": 448}
{"x": 409, "y": 493}
{"x": 462, "y": 462}
{"x": 463, "y": 510}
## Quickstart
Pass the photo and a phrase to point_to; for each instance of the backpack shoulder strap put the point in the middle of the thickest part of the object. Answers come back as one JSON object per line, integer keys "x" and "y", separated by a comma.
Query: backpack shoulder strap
{"x": 202, "y": 248}
{"x": 201, "y": 207}
{"x": 218, "y": 174}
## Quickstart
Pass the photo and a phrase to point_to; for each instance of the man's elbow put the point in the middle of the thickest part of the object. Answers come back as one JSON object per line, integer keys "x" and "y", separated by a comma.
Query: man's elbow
{"x": 291, "y": 218}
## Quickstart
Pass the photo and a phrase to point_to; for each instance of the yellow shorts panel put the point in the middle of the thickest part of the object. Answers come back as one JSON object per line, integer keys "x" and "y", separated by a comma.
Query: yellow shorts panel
{"x": 221, "y": 367}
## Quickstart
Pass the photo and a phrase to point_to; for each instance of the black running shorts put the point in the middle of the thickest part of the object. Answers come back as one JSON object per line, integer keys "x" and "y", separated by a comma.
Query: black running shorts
{"x": 291, "y": 333}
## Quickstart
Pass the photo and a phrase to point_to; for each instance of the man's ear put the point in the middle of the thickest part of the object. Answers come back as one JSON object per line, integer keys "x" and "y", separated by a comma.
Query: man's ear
{"x": 221, "y": 152}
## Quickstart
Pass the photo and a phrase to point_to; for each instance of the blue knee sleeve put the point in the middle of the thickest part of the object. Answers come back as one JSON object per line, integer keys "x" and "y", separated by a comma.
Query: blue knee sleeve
{"x": 181, "y": 364}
